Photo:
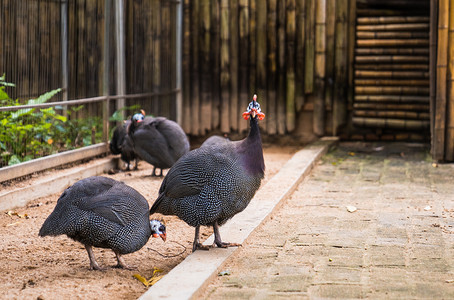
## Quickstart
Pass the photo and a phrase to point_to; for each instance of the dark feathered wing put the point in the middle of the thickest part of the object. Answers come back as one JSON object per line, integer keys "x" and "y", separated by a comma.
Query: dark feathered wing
{"x": 98, "y": 196}
{"x": 152, "y": 146}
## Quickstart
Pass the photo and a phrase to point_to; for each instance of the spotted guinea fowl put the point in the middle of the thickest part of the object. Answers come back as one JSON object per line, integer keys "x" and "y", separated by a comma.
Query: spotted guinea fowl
{"x": 158, "y": 141}
{"x": 211, "y": 184}
{"x": 122, "y": 144}
{"x": 215, "y": 140}
{"x": 102, "y": 212}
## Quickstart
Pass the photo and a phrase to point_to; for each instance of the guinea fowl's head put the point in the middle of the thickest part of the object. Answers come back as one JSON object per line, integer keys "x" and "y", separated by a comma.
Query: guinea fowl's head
{"x": 158, "y": 229}
{"x": 137, "y": 118}
{"x": 253, "y": 110}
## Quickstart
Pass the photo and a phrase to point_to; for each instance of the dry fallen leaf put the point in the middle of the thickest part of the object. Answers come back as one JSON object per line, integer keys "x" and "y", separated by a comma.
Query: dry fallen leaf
{"x": 13, "y": 213}
{"x": 150, "y": 281}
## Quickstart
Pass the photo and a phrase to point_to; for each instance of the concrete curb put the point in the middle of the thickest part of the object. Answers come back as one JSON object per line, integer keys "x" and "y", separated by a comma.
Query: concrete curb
{"x": 43, "y": 188}
{"x": 190, "y": 277}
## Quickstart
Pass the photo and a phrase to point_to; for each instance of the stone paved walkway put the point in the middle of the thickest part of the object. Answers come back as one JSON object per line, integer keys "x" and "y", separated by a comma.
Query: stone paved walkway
{"x": 398, "y": 244}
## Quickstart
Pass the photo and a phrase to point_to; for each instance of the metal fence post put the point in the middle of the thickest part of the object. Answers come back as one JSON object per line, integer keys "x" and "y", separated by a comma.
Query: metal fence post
{"x": 120, "y": 49}
{"x": 64, "y": 50}
{"x": 178, "y": 66}
{"x": 106, "y": 70}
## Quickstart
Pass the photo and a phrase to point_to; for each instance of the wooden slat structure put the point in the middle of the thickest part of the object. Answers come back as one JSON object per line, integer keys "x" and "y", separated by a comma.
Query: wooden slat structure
{"x": 391, "y": 75}
{"x": 319, "y": 67}
{"x": 31, "y": 51}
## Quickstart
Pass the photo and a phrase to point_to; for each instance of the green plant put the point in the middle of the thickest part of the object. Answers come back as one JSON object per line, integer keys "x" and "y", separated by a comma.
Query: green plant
{"x": 29, "y": 133}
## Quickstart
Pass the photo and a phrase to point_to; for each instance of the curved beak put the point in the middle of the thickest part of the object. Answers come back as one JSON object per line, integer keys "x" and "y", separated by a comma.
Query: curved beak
{"x": 163, "y": 236}
{"x": 253, "y": 113}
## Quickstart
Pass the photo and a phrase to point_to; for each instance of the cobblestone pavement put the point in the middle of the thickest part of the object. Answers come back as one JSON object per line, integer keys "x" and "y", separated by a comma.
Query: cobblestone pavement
{"x": 398, "y": 244}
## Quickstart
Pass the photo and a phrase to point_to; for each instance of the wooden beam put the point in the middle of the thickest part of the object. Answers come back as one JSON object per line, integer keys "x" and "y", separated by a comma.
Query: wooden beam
{"x": 49, "y": 186}
{"x": 442, "y": 62}
{"x": 51, "y": 161}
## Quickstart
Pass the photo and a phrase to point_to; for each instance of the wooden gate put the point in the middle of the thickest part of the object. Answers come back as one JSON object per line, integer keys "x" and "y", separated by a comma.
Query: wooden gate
{"x": 392, "y": 66}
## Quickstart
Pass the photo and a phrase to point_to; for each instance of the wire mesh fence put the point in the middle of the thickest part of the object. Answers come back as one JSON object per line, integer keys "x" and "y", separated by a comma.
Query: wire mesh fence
{"x": 52, "y": 51}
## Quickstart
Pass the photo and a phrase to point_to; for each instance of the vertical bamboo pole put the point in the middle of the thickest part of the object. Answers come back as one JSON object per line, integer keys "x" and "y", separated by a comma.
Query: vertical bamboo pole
{"x": 320, "y": 58}
{"x": 72, "y": 49}
{"x": 156, "y": 55}
{"x": 90, "y": 42}
{"x": 261, "y": 61}
{"x": 280, "y": 102}
{"x": 340, "y": 66}
{"x": 234, "y": 109}
{"x": 225, "y": 67}
{"x": 252, "y": 89}
{"x": 442, "y": 61}
{"x": 351, "y": 50}
{"x": 195, "y": 111}
{"x": 148, "y": 67}
{"x": 243, "y": 23}
{"x": 290, "y": 61}
{"x": 433, "y": 68}
{"x": 310, "y": 47}
{"x": 205, "y": 64}
{"x": 106, "y": 68}
{"x": 329, "y": 75}
{"x": 187, "y": 80}
{"x": 178, "y": 62}
{"x": 64, "y": 51}
{"x": 300, "y": 49}
{"x": 450, "y": 105}
{"x": 271, "y": 118}
{"x": 165, "y": 60}
{"x": 81, "y": 51}
{"x": 215, "y": 62}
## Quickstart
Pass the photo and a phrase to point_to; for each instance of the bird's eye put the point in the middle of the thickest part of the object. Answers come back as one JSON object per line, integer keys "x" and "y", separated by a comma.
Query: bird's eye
{"x": 162, "y": 228}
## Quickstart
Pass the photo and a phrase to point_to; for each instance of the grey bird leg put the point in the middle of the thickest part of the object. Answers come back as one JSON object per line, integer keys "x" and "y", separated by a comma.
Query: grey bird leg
{"x": 160, "y": 174}
{"x": 197, "y": 245}
{"x": 154, "y": 172}
{"x": 121, "y": 263}
{"x": 93, "y": 264}
{"x": 217, "y": 238}
{"x": 136, "y": 167}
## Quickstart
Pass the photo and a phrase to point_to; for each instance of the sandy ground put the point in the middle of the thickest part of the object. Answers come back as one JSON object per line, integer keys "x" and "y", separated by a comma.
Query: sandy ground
{"x": 58, "y": 268}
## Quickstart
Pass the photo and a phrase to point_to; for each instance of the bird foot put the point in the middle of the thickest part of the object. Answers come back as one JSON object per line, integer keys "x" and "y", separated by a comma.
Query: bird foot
{"x": 126, "y": 267}
{"x": 225, "y": 244}
{"x": 97, "y": 267}
{"x": 199, "y": 246}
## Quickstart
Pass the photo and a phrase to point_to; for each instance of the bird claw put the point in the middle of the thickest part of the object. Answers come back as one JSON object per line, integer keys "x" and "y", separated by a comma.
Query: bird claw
{"x": 225, "y": 244}
{"x": 96, "y": 267}
{"x": 126, "y": 267}
{"x": 199, "y": 246}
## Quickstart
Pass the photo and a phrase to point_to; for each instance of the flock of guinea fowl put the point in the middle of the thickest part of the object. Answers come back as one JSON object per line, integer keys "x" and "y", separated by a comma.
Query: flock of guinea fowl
{"x": 206, "y": 186}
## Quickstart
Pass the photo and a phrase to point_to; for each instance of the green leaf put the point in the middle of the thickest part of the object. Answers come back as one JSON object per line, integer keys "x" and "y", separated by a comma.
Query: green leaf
{"x": 14, "y": 160}
{"x": 3, "y": 94}
{"x": 22, "y": 112}
{"x": 61, "y": 118}
{"x": 87, "y": 140}
{"x": 44, "y": 97}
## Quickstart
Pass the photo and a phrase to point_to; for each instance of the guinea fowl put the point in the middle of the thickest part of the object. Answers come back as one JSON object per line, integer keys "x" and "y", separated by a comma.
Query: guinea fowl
{"x": 215, "y": 140}
{"x": 102, "y": 212}
{"x": 158, "y": 141}
{"x": 122, "y": 144}
{"x": 211, "y": 184}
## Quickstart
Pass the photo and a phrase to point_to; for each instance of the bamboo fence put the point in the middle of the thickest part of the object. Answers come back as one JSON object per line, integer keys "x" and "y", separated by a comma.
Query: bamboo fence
{"x": 391, "y": 77}
{"x": 316, "y": 60}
